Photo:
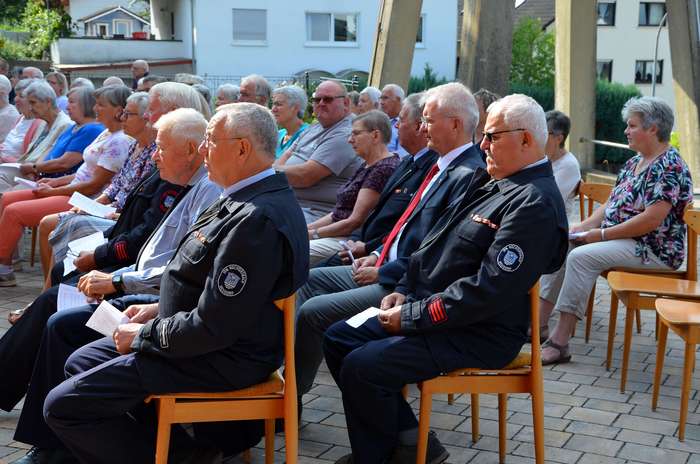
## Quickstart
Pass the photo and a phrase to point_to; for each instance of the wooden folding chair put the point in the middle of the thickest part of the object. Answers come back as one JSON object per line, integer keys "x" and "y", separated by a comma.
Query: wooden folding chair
{"x": 275, "y": 398}
{"x": 640, "y": 291}
{"x": 522, "y": 375}
{"x": 683, "y": 318}
{"x": 32, "y": 252}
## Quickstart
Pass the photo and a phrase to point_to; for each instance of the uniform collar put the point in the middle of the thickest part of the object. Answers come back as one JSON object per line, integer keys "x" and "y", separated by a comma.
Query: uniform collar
{"x": 241, "y": 184}
{"x": 541, "y": 168}
{"x": 274, "y": 182}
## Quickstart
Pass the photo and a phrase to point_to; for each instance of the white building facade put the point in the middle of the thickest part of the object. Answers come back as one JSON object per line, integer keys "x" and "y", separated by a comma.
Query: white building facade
{"x": 231, "y": 38}
{"x": 626, "y": 40}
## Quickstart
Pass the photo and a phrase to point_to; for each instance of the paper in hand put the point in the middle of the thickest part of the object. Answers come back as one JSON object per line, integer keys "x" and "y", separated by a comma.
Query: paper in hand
{"x": 26, "y": 182}
{"x": 576, "y": 235}
{"x": 87, "y": 243}
{"x": 69, "y": 297}
{"x": 106, "y": 319}
{"x": 90, "y": 206}
{"x": 359, "y": 319}
{"x": 10, "y": 165}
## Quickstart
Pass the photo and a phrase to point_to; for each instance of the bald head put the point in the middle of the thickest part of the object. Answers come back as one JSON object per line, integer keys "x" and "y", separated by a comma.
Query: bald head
{"x": 330, "y": 103}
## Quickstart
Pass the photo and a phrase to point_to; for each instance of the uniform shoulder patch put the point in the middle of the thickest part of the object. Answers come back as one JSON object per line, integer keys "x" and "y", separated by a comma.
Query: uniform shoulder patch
{"x": 231, "y": 280}
{"x": 510, "y": 257}
{"x": 436, "y": 311}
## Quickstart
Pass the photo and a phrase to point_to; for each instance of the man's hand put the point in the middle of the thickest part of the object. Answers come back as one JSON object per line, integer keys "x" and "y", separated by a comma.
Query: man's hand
{"x": 357, "y": 248}
{"x": 85, "y": 262}
{"x": 367, "y": 261}
{"x": 96, "y": 284}
{"x": 141, "y": 313}
{"x": 366, "y": 275}
{"x": 390, "y": 319}
{"x": 124, "y": 335}
{"x": 393, "y": 299}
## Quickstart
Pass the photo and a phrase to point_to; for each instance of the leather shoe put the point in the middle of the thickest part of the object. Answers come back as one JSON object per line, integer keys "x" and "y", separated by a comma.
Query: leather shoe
{"x": 406, "y": 454}
{"x": 37, "y": 455}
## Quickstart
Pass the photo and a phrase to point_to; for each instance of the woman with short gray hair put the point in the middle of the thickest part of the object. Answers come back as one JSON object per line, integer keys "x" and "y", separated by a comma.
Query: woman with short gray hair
{"x": 227, "y": 93}
{"x": 640, "y": 226}
{"x": 25, "y": 132}
{"x": 288, "y": 108}
{"x": 8, "y": 113}
{"x": 369, "y": 100}
{"x": 59, "y": 84}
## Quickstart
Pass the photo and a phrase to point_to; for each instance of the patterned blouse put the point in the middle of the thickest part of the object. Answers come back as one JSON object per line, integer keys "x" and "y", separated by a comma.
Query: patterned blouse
{"x": 137, "y": 167}
{"x": 666, "y": 179}
{"x": 372, "y": 177}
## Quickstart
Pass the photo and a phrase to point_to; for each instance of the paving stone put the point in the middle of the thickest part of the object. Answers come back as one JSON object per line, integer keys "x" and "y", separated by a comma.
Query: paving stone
{"x": 591, "y": 458}
{"x": 551, "y": 437}
{"x": 595, "y": 430}
{"x": 646, "y": 424}
{"x": 608, "y": 394}
{"x": 642, "y": 438}
{"x": 591, "y": 415}
{"x": 651, "y": 454}
{"x": 551, "y": 454}
{"x": 610, "y": 406}
{"x": 597, "y": 445}
{"x": 489, "y": 428}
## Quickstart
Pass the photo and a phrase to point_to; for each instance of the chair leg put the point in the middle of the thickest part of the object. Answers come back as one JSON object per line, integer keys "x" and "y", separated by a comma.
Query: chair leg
{"x": 450, "y": 399}
{"x": 291, "y": 440}
{"x": 164, "y": 408}
{"x": 246, "y": 456}
{"x": 269, "y": 441}
{"x": 538, "y": 419}
{"x": 688, "y": 362}
{"x": 660, "y": 355}
{"x": 589, "y": 313}
{"x": 32, "y": 252}
{"x": 638, "y": 318}
{"x": 611, "y": 328}
{"x": 426, "y": 405}
{"x": 656, "y": 327}
{"x": 502, "y": 412}
{"x": 475, "y": 417}
{"x": 627, "y": 346}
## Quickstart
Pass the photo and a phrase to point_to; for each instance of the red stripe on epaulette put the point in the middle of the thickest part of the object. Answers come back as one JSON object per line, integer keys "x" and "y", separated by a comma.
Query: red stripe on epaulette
{"x": 120, "y": 251}
{"x": 436, "y": 311}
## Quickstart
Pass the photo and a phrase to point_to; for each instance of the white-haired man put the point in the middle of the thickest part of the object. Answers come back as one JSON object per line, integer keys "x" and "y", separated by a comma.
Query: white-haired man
{"x": 464, "y": 299}
{"x": 214, "y": 296}
{"x": 390, "y": 102}
{"x": 139, "y": 69}
{"x": 8, "y": 113}
{"x": 30, "y": 72}
{"x": 255, "y": 89}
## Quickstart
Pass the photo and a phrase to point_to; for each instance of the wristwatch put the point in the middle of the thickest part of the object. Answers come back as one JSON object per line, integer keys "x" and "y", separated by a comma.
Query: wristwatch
{"x": 118, "y": 283}
{"x": 314, "y": 234}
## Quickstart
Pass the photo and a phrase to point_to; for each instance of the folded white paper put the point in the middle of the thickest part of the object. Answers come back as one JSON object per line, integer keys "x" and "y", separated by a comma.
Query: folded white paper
{"x": 90, "y": 206}
{"x": 359, "y": 319}
{"x": 106, "y": 319}
{"x": 575, "y": 235}
{"x": 69, "y": 297}
{"x": 87, "y": 243}
{"x": 26, "y": 182}
{"x": 10, "y": 165}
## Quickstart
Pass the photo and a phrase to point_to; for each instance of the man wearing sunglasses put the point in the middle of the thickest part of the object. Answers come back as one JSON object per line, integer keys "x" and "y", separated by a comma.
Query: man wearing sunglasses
{"x": 322, "y": 160}
{"x": 463, "y": 301}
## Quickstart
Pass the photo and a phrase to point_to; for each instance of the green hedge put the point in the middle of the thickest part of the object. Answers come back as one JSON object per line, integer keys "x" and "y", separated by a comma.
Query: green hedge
{"x": 610, "y": 97}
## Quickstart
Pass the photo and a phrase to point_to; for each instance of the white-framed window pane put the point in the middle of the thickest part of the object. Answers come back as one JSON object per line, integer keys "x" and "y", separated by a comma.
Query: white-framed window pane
{"x": 606, "y": 14}
{"x": 121, "y": 28}
{"x": 249, "y": 24}
{"x": 345, "y": 28}
{"x": 318, "y": 27}
{"x": 656, "y": 12}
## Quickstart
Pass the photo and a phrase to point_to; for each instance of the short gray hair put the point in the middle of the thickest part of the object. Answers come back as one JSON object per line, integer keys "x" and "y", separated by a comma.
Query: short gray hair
{"x": 376, "y": 120}
{"x": 262, "y": 87}
{"x": 115, "y": 95}
{"x": 230, "y": 91}
{"x": 141, "y": 101}
{"x": 143, "y": 64}
{"x": 35, "y": 72}
{"x": 86, "y": 100}
{"x": 396, "y": 90}
{"x": 152, "y": 78}
{"x": 373, "y": 93}
{"x": 522, "y": 112}
{"x": 82, "y": 82}
{"x": 41, "y": 90}
{"x": 5, "y": 88}
{"x": 254, "y": 122}
{"x": 24, "y": 83}
{"x": 187, "y": 78}
{"x": 296, "y": 96}
{"x": 651, "y": 111}
{"x": 415, "y": 104}
{"x": 185, "y": 125}
{"x": 176, "y": 95}
{"x": 457, "y": 101}
{"x": 61, "y": 80}
{"x": 112, "y": 80}
{"x": 203, "y": 91}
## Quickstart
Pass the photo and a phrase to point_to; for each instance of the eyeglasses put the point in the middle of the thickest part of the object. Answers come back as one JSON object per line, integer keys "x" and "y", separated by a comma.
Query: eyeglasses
{"x": 126, "y": 114}
{"x": 489, "y": 135}
{"x": 355, "y": 133}
{"x": 210, "y": 141}
{"x": 327, "y": 99}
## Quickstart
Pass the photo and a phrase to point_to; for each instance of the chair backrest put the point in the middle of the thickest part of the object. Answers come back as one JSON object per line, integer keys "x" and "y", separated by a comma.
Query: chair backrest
{"x": 595, "y": 193}
{"x": 288, "y": 308}
{"x": 535, "y": 356}
{"x": 692, "y": 219}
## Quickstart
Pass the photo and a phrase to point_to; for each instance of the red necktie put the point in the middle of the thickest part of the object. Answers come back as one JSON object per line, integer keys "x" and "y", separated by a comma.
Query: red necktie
{"x": 406, "y": 214}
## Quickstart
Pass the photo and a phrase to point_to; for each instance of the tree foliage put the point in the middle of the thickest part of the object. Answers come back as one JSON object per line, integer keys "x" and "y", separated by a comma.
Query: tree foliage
{"x": 428, "y": 80}
{"x": 45, "y": 25}
{"x": 533, "y": 54}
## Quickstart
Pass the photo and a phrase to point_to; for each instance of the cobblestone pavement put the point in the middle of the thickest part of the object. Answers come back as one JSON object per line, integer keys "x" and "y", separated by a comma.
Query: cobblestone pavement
{"x": 587, "y": 419}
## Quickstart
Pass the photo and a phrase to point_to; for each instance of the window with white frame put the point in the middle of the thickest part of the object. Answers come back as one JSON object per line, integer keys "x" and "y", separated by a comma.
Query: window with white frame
{"x": 121, "y": 26}
{"x": 100, "y": 29}
{"x": 651, "y": 13}
{"x": 643, "y": 70}
{"x": 336, "y": 28}
{"x": 249, "y": 26}
{"x": 606, "y": 14}
{"x": 421, "y": 31}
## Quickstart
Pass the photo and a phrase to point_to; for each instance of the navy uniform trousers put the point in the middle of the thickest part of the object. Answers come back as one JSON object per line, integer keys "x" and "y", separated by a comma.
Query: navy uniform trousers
{"x": 65, "y": 332}
{"x": 104, "y": 396}
{"x": 371, "y": 367}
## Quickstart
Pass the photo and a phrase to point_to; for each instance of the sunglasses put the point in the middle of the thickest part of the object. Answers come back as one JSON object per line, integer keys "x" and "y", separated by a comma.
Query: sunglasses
{"x": 489, "y": 135}
{"x": 327, "y": 100}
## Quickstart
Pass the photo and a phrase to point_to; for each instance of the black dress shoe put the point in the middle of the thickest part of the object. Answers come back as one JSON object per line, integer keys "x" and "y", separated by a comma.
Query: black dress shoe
{"x": 37, "y": 456}
{"x": 406, "y": 454}
{"x": 347, "y": 459}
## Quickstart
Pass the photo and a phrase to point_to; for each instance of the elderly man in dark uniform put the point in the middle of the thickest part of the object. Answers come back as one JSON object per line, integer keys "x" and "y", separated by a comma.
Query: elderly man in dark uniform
{"x": 216, "y": 327}
{"x": 463, "y": 301}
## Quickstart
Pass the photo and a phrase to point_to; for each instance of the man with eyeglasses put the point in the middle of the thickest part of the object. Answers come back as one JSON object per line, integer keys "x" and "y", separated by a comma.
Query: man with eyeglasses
{"x": 463, "y": 301}
{"x": 322, "y": 160}
{"x": 255, "y": 89}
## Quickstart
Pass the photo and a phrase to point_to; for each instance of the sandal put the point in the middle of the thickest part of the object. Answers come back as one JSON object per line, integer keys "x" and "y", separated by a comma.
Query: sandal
{"x": 544, "y": 334}
{"x": 563, "y": 356}
{"x": 14, "y": 316}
